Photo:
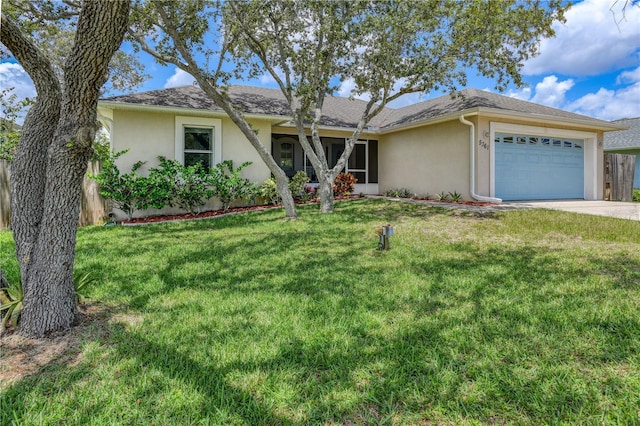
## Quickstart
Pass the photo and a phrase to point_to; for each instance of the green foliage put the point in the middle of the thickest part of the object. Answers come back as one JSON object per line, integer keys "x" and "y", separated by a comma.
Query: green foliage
{"x": 269, "y": 190}
{"x": 228, "y": 185}
{"x": 455, "y": 196}
{"x": 465, "y": 321}
{"x": 398, "y": 192}
{"x": 10, "y": 302}
{"x": 442, "y": 196}
{"x": 81, "y": 284}
{"x": 187, "y": 186}
{"x": 101, "y": 149}
{"x": 344, "y": 184}
{"x": 9, "y": 130}
{"x": 636, "y": 195}
{"x": 297, "y": 182}
{"x": 131, "y": 192}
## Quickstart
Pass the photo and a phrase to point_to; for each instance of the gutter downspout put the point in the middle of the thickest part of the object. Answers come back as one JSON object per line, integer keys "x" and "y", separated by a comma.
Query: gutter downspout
{"x": 472, "y": 149}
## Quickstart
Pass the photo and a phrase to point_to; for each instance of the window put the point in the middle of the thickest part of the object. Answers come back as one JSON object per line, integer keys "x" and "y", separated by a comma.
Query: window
{"x": 286, "y": 155}
{"x": 198, "y": 140}
{"x": 198, "y": 147}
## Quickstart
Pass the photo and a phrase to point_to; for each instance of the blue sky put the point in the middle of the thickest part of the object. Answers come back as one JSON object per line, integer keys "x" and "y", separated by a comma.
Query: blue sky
{"x": 591, "y": 67}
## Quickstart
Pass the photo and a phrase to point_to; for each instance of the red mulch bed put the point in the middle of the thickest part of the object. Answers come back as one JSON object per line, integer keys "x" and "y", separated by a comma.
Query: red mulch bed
{"x": 234, "y": 210}
{"x": 189, "y": 216}
{"x": 214, "y": 213}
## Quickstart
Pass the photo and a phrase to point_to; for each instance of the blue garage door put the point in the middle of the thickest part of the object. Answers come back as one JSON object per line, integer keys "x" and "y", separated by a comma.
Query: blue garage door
{"x": 538, "y": 168}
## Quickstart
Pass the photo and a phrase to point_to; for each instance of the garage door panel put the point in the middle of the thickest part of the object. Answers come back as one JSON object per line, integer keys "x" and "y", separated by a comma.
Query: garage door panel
{"x": 529, "y": 171}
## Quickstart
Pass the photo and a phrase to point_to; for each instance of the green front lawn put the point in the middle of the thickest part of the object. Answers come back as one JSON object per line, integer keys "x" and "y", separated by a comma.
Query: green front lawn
{"x": 523, "y": 317}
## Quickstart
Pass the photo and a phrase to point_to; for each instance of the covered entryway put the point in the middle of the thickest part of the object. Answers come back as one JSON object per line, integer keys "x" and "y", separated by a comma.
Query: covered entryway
{"x": 529, "y": 167}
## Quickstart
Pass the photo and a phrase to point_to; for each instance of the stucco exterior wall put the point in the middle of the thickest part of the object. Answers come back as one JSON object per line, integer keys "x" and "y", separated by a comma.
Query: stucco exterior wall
{"x": 148, "y": 135}
{"x": 426, "y": 160}
{"x": 236, "y": 147}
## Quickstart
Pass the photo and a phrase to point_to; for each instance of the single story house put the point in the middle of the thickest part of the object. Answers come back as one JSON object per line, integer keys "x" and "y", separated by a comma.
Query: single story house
{"x": 626, "y": 142}
{"x": 480, "y": 144}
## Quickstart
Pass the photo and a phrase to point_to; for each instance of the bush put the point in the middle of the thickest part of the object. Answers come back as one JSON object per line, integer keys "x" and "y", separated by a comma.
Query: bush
{"x": 398, "y": 192}
{"x": 188, "y": 186}
{"x": 297, "y": 182}
{"x": 636, "y": 195}
{"x": 344, "y": 184}
{"x": 269, "y": 190}
{"x": 228, "y": 185}
{"x": 131, "y": 192}
{"x": 10, "y": 302}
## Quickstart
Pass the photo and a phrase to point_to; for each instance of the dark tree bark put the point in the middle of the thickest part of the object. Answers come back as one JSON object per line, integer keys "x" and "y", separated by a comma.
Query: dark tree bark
{"x": 51, "y": 161}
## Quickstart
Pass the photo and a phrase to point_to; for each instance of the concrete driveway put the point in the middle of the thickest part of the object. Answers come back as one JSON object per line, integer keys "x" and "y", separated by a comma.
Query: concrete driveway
{"x": 599, "y": 208}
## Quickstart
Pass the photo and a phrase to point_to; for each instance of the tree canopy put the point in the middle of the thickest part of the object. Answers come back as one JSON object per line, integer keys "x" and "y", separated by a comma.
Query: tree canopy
{"x": 382, "y": 49}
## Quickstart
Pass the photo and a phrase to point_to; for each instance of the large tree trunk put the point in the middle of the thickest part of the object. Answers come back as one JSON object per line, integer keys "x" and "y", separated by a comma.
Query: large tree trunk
{"x": 51, "y": 160}
{"x": 325, "y": 192}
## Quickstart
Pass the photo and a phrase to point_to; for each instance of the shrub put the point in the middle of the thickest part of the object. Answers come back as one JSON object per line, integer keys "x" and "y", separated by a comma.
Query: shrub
{"x": 442, "y": 196}
{"x": 188, "y": 186}
{"x": 344, "y": 184}
{"x": 269, "y": 190}
{"x": 398, "y": 192}
{"x": 309, "y": 194}
{"x": 228, "y": 185}
{"x": 636, "y": 195}
{"x": 10, "y": 302}
{"x": 130, "y": 192}
{"x": 297, "y": 183}
{"x": 455, "y": 196}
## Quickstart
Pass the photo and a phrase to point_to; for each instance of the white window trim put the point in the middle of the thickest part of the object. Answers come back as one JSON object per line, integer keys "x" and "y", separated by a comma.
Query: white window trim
{"x": 215, "y": 124}
{"x": 590, "y": 151}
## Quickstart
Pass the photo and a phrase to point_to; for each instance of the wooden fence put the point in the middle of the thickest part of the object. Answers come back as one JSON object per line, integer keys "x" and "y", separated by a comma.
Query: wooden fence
{"x": 94, "y": 208}
{"x": 618, "y": 177}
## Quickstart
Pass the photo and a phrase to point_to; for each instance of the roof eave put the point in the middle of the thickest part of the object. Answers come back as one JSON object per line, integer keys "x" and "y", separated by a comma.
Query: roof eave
{"x": 620, "y": 148}
{"x": 532, "y": 117}
{"x": 429, "y": 121}
{"x": 185, "y": 111}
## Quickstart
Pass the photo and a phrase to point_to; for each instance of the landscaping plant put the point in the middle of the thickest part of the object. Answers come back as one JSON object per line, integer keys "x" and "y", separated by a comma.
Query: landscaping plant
{"x": 442, "y": 196}
{"x": 344, "y": 184}
{"x": 188, "y": 186}
{"x": 11, "y": 306}
{"x": 228, "y": 185}
{"x": 455, "y": 196}
{"x": 131, "y": 191}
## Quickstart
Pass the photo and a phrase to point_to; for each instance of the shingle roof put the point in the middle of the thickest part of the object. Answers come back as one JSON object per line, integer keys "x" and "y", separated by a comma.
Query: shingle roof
{"x": 474, "y": 98}
{"x": 339, "y": 111}
{"x": 624, "y": 139}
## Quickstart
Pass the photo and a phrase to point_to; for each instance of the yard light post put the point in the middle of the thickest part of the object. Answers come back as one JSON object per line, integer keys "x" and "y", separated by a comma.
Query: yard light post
{"x": 384, "y": 232}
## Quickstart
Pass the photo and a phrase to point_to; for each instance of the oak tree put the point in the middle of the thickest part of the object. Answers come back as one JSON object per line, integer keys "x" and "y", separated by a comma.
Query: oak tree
{"x": 176, "y": 33}
{"x": 385, "y": 49}
{"x": 52, "y": 154}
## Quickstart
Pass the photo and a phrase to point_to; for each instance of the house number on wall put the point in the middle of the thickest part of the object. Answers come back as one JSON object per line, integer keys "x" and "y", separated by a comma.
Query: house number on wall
{"x": 483, "y": 144}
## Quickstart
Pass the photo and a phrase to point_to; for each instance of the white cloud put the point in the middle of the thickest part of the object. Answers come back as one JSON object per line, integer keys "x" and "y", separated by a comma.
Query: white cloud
{"x": 13, "y": 75}
{"x": 551, "y": 92}
{"x": 590, "y": 42}
{"x": 632, "y": 76}
{"x": 179, "y": 78}
{"x": 267, "y": 79}
{"x": 611, "y": 104}
{"x": 523, "y": 94}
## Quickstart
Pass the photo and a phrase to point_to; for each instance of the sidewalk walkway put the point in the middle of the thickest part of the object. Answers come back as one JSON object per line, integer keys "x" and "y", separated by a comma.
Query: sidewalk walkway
{"x": 630, "y": 211}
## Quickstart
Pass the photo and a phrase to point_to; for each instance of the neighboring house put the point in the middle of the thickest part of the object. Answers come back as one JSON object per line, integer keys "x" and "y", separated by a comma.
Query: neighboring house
{"x": 479, "y": 144}
{"x": 626, "y": 142}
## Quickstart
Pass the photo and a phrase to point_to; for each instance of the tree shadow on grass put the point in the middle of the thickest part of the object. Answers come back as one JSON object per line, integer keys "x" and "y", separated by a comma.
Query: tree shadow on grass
{"x": 482, "y": 337}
